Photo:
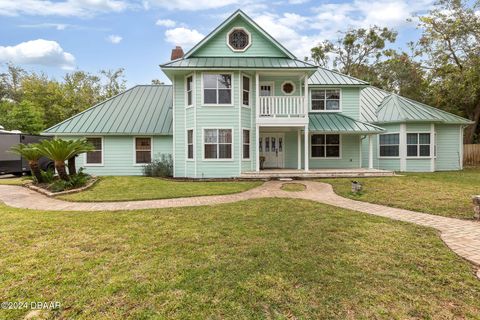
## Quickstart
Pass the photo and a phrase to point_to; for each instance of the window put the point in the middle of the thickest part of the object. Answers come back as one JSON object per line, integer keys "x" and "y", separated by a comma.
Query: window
{"x": 95, "y": 156}
{"x": 325, "y": 145}
{"x": 418, "y": 144}
{"x": 389, "y": 145}
{"x": 189, "y": 90}
{"x": 246, "y": 91}
{"x": 325, "y": 99}
{"x": 143, "y": 150}
{"x": 238, "y": 39}
{"x": 218, "y": 144}
{"x": 217, "y": 89}
{"x": 190, "y": 144}
{"x": 288, "y": 87}
{"x": 246, "y": 144}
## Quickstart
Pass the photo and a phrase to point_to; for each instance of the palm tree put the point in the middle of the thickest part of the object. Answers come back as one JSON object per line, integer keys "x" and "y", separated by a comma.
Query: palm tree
{"x": 59, "y": 151}
{"x": 32, "y": 154}
{"x": 80, "y": 146}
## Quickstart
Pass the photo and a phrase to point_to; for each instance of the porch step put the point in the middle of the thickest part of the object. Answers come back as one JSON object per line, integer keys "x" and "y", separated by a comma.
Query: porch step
{"x": 327, "y": 173}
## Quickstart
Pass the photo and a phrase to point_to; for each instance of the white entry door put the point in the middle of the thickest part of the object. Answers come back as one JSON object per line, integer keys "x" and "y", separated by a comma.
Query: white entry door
{"x": 271, "y": 146}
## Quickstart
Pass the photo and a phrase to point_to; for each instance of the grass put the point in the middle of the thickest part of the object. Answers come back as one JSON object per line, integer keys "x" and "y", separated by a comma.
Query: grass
{"x": 265, "y": 258}
{"x": 145, "y": 188}
{"x": 440, "y": 193}
{"x": 14, "y": 181}
{"x": 293, "y": 187}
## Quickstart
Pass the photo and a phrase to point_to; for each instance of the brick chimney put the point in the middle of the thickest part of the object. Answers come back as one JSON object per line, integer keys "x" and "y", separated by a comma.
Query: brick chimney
{"x": 177, "y": 53}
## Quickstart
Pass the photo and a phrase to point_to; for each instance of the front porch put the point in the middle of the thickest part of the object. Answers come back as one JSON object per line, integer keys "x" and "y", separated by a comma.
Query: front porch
{"x": 316, "y": 173}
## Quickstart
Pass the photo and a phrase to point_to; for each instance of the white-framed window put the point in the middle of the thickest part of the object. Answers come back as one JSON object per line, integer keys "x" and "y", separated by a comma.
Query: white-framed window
{"x": 189, "y": 90}
{"x": 325, "y": 99}
{"x": 239, "y": 39}
{"x": 246, "y": 144}
{"x": 246, "y": 90}
{"x": 143, "y": 150}
{"x": 325, "y": 145}
{"x": 288, "y": 88}
{"x": 217, "y": 144}
{"x": 190, "y": 153}
{"x": 95, "y": 157}
{"x": 389, "y": 145}
{"x": 418, "y": 145}
{"x": 217, "y": 89}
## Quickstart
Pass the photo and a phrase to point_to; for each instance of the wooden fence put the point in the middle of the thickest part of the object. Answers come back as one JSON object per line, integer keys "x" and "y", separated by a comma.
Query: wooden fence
{"x": 471, "y": 154}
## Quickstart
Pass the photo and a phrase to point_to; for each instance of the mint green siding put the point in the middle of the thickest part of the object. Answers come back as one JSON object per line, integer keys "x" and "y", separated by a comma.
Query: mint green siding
{"x": 217, "y": 45}
{"x": 119, "y": 155}
{"x": 449, "y": 147}
{"x": 350, "y": 100}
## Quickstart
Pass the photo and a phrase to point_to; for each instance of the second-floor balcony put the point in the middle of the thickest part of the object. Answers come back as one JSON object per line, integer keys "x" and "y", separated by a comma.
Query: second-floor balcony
{"x": 282, "y": 109}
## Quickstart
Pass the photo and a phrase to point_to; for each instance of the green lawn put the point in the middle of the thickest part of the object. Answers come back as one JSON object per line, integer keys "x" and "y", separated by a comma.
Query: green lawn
{"x": 441, "y": 193}
{"x": 265, "y": 258}
{"x": 14, "y": 181}
{"x": 144, "y": 188}
{"x": 293, "y": 187}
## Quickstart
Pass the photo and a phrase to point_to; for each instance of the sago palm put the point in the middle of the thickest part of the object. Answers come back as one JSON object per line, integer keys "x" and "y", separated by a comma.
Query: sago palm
{"x": 32, "y": 154}
{"x": 59, "y": 151}
{"x": 79, "y": 146}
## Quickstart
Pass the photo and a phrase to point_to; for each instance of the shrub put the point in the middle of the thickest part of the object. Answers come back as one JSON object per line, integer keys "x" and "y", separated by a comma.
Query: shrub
{"x": 76, "y": 181}
{"x": 48, "y": 176}
{"x": 162, "y": 167}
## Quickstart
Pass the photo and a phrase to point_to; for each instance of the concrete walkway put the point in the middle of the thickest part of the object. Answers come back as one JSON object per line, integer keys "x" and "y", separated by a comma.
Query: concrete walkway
{"x": 461, "y": 236}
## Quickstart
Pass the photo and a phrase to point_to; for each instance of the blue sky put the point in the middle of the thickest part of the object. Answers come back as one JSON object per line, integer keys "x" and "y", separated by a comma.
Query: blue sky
{"x": 55, "y": 37}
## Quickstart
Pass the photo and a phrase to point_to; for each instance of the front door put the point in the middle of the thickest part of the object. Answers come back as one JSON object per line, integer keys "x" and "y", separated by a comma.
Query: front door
{"x": 271, "y": 146}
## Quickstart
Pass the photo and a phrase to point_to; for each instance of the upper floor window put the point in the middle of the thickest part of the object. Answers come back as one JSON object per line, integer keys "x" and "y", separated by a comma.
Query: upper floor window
{"x": 389, "y": 145}
{"x": 246, "y": 91}
{"x": 217, "y": 88}
{"x": 288, "y": 87}
{"x": 238, "y": 39}
{"x": 189, "y": 90}
{"x": 325, "y": 99}
{"x": 418, "y": 144}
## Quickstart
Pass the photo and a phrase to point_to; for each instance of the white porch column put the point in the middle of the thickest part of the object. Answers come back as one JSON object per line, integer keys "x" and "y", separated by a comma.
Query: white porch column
{"x": 370, "y": 152}
{"x": 257, "y": 95}
{"x": 306, "y": 148}
{"x": 257, "y": 149}
{"x": 432, "y": 147}
{"x": 403, "y": 147}
{"x": 299, "y": 149}
{"x": 305, "y": 96}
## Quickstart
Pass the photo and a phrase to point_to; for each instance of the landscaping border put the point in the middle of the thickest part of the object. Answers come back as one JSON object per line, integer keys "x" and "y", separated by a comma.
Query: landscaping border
{"x": 43, "y": 191}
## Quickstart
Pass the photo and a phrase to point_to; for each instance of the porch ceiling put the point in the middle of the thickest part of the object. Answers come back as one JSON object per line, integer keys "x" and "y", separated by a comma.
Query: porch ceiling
{"x": 337, "y": 123}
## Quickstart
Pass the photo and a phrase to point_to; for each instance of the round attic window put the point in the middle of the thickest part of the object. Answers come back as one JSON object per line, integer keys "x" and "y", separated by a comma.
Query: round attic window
{"x": 288, "y": 87}
{"x": 238, "y": 39}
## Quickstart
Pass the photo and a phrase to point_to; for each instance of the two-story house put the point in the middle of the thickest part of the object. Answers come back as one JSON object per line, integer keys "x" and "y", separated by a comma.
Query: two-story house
{"x": 240, "y": 102}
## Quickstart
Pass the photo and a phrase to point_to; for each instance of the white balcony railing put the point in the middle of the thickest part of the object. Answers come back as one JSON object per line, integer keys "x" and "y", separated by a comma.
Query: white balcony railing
{"x": 282, "y": 106}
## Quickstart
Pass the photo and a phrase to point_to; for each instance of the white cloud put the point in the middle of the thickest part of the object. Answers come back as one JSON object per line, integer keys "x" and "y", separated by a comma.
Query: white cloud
{"x": 183, "y": 37}
{"x": 165, "y": 23}
{"x": 298, "y": 1}
{"x": 38, "y": 52}
{"x": 60, "y": 8}
{"x": 115, "y": 39}
{"x": 189, "y": 5}
{"x": 57, "y": 26}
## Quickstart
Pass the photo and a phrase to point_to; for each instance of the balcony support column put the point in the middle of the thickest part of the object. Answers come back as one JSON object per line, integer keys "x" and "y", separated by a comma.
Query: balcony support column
{"x": 305, "y": 96}
{"x": 306, "y": 148}
{"x": 299, "y": 149}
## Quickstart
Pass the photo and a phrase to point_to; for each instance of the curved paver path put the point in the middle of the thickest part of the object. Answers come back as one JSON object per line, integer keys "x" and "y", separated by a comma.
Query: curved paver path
{"x": 461, "y": 236}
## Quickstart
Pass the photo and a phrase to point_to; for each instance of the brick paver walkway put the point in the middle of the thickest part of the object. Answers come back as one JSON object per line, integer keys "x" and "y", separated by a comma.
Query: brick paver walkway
{"x": 461, "y": 236}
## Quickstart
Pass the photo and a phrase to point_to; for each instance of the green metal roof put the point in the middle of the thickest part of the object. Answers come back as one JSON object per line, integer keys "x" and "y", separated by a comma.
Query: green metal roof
{"x": 329, "y": 77}
{"x": 145, "y": 109}
{"x": 379, "y": 106}
{"x": 338, "y": 123}
{"x": 237, "y": 62}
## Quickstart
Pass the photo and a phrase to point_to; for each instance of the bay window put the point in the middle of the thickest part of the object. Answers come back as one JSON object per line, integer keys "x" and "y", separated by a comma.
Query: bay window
{"x": 418, "y": 144}
{"x": 189, "y": 90}
{"x": 246, "y": 144}
{"x": 217, "y": 89}
{"x": 217, "y": 143}
{"x": 190, "y": 144}
{"x": 246, "y": 91}
{"x": 389, "y": 145}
